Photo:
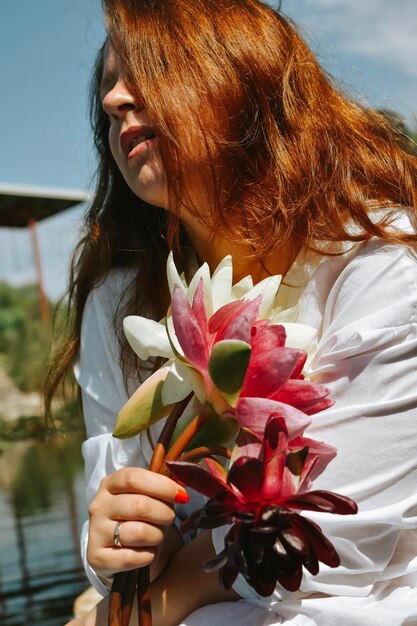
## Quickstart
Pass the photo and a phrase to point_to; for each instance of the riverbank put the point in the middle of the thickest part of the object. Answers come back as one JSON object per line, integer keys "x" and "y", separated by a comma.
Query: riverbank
{"x": 15, "y": 403}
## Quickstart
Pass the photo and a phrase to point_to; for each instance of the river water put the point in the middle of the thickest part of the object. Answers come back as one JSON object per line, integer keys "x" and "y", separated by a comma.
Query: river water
{"x": 42, "y": 508}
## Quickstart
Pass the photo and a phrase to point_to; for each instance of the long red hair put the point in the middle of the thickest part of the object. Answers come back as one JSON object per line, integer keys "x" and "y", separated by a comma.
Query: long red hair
{"x": 245, "y": 114}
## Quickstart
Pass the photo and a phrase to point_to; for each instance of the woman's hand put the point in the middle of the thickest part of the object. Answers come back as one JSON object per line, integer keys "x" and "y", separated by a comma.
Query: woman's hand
{"x": 143, "y": 502}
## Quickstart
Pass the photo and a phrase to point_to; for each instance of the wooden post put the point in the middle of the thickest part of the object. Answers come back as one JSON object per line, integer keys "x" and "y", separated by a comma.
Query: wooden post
{"x": 43, "y": 302}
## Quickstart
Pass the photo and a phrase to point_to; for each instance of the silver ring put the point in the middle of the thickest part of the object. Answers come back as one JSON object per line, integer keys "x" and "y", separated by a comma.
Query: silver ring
{"x": 116, "y": 535}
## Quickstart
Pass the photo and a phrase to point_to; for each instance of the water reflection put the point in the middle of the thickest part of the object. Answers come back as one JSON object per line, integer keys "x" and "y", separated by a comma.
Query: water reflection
{"x": 41, "y": 511}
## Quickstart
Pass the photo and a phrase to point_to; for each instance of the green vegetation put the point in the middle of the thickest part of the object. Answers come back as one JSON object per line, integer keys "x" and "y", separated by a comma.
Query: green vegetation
{"x": 407, "y": 137}
{"x": 24, "y": 339}
{"x": 25, "y": 345}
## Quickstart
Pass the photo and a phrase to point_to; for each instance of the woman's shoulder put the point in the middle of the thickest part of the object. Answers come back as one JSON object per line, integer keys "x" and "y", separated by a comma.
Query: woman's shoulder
{"x": 111, "y": 290}
{"x": 376, "y": 264}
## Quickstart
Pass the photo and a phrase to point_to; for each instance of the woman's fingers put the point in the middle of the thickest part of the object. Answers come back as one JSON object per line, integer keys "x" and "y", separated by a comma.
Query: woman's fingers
{"x": 139, "y": 505}
{"x": 124, "y": 507}
{"x": 137, "y": 480}
{"x": 108, "y": 561}
{"x": 135, "y": 535}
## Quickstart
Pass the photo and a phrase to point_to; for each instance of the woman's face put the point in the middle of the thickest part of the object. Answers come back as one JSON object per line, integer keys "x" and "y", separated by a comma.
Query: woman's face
{"x": 133, "y": 143}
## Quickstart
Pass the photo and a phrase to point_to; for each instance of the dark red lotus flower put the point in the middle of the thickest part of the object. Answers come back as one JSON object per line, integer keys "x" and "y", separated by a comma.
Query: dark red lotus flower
{"x": 268, "y": 540}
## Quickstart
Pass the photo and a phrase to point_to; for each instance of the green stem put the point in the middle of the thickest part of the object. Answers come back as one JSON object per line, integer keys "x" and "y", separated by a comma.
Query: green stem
{"x": 184, "y": 439}
{"x": 203, "y": 451}
{"x": 166, "y": 434}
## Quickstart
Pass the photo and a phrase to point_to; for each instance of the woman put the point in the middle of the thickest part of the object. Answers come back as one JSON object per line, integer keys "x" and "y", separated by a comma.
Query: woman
{"x": 218, "y": 133}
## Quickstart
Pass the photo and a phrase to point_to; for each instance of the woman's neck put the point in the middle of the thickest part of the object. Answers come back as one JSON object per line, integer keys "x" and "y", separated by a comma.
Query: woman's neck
{"x": 212, "y": 248}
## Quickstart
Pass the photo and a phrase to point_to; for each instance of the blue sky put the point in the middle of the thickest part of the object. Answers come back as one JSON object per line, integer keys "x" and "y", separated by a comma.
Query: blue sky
{"x": 46, "y": 53}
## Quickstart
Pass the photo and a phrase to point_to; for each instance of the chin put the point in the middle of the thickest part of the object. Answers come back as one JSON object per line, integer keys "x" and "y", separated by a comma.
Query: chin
{"x": 151, "y": 196}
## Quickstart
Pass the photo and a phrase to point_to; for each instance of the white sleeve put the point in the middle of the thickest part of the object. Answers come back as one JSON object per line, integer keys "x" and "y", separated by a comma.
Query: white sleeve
{"x": 367, "y": 356}
{"x": 103, "y": 394}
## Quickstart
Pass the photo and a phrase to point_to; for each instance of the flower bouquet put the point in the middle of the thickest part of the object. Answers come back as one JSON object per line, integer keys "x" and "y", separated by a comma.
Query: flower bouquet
{"x": 236, "y": 403}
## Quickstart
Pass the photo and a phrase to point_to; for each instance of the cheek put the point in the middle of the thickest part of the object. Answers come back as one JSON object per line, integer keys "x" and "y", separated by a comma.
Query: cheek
{"x": 114, "y": 142}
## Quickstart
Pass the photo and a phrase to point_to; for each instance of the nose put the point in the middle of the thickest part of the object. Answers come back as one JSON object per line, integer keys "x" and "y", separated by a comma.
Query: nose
{"x": 119, "y": 100}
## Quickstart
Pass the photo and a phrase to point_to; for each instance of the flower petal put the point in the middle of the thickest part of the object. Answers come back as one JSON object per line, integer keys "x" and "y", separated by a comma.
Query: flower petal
{"x": 247, "y": 444}
{"x": 267, "y": 336}
{"x": 147, "y": 337}
{"x": 199, "y": 308}
{"x": 268, "y": 370}
{"x": 198, "y": 478}
{"x": 275, "y": 452}
{"x": 301, "y": 336}
{"x": 267, "y": 288}
{"x": 202, "y": 274}
{"x": 322, "y": 451}
{"x": 188, "y": 331}
{"x": 216, "y": 469}
{"x": 235, "y": 320}
{"x": 325, "y": 501}
{"x": 221, "y": 283}
{"x": 253, "y": 413}
{"x": 173, "y": 277}
{"x": 302, "y": 394}
{"x": 320, "y": 545}
{"x": 247, "y": 476}
{"x": 240, "y": 289}
{"x": 144, "y": 407}
{"x": 176, "y": 386}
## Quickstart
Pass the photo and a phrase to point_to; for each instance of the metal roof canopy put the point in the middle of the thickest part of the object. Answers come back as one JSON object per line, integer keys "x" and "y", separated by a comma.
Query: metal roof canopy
{"x": 21, "y": 204}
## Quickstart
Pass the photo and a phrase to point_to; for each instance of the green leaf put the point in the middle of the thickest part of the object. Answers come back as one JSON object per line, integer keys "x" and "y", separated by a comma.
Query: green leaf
{"x": 295, "y": 461}
{"x": 217, "y": 431}
{"x": 144, "y": 407}
{"x": 188, "y": 415}
{"x": 227, "y": 367}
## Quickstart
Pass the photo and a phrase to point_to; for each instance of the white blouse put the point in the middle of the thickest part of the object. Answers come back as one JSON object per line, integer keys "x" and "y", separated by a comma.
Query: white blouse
{"x": 364, "y": 305}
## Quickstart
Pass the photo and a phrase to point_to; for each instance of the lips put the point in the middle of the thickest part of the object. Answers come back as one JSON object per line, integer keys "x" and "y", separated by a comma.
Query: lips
{"x": 131, "y": 140}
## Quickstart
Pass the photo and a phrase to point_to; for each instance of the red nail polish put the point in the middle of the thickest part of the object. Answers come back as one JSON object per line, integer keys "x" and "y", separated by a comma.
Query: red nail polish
{"x": 182, "y": 497}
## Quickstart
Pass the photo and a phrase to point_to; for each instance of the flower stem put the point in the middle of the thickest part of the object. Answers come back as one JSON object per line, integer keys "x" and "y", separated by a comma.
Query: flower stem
{"x": 128, "y": 595}
{"x": 166, "y": 434}
{"x": 144, "y": 597}
{"x": 121, "y": 598}
{"x": 184, "y": 439}
{"x": 203, "y": 451}
{"x": 124, "y": 583}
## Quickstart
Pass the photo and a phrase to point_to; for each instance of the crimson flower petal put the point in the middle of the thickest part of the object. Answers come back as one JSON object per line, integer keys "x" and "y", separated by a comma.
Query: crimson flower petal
{"x": 292, "y": 583}
{"x": 253, "y": 413}
{"x": 302, "y": 358}
{"x": 324, "y": 404}
{"x": 302, "y": 394}
{"x": 320, "y": 545}
{"x": 196, "y": 477}
{"x": 325, "y": 501}
{"x": 238, "y": 326}
{"x": 223, "y": 316}
{"x": 266, "y": 336}
{"x": 268, "y": 370}
{"x": 247, "y": 476}
{"x": 275, "y": 450}
{"x": 188, "y": 331}
{"x": 199, "y": 309}
{"x": 323, "y": 452}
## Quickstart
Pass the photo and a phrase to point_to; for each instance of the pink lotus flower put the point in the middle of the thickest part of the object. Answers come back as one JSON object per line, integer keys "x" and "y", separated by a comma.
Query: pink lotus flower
{"x": 241, "y": 366}
{"x": 268, "y": 541}
{"x": 236, "y": 365}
